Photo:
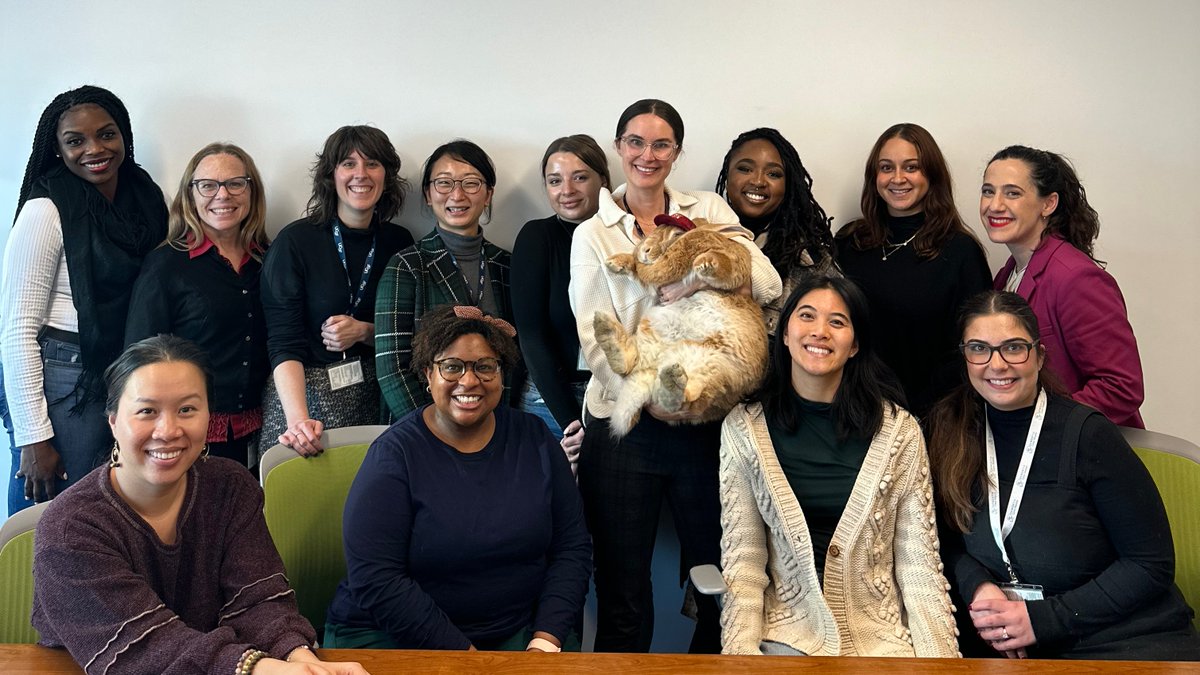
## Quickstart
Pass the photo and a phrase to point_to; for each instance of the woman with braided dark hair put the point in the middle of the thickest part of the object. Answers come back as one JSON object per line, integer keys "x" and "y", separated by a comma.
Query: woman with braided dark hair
{"x": 1033, "y": 202}
{"x": 769, "y": 189}
{"x": 86, "y": 216}
{"x": 915, "y": 259}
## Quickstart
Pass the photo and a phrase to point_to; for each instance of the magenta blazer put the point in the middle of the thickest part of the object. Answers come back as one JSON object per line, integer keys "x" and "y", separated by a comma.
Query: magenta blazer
{"x": 1085, "y": 329}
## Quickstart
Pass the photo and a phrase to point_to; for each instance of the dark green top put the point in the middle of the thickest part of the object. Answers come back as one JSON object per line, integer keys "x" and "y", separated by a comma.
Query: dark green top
{"x": 821, "y": 470}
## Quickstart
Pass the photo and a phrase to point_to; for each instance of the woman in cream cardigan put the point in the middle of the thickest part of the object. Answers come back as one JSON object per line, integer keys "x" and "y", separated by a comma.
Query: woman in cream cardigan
{"x": 829, "y": 542}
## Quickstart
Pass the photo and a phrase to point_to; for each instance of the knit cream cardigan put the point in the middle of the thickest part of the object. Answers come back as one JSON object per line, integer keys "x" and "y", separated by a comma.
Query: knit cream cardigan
{"x": 884, "y": 593}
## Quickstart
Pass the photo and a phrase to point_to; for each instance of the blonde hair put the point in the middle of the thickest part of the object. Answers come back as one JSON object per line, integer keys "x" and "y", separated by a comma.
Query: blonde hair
{"x": 184, "y": 231}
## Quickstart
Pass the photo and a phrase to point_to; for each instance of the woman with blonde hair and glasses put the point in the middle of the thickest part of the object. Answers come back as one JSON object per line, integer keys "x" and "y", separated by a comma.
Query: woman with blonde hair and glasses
{"x": 203, "y": 285}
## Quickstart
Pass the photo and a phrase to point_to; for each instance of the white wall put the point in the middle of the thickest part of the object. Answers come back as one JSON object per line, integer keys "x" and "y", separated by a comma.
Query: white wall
{"x": 1114, "y": 85}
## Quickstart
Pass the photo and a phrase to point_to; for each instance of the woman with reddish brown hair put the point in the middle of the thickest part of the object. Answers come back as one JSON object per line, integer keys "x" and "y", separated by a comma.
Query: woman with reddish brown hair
{"x": 915, "y": 260}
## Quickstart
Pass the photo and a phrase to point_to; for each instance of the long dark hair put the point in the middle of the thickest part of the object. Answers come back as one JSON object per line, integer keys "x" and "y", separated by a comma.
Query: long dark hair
{"x": 370, "y": 143}
{"x": 799, "y": 224}
{"x": 1074, "y": 219}
{"x": 942, "y": 220}
{"x": 43, "y": 157}
{"x": 867, "y": 384}
{"x": 955, "y": 424}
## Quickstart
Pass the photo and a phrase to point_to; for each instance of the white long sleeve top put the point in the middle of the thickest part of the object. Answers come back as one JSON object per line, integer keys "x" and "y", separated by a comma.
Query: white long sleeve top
{"x": 35, "y": 291}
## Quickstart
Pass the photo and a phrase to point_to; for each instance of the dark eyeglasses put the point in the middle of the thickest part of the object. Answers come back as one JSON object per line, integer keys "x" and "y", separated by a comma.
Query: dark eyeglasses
{"x": 453, "y": 369}
{"x": 210, "y": 188}
{"x": 445, "y": 185}
{"x": 980, "y": 353}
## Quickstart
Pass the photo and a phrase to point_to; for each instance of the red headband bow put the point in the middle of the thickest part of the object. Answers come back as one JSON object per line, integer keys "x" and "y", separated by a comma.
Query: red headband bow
{"x": 678, "y": 220}
{"x": 473, "y": 312}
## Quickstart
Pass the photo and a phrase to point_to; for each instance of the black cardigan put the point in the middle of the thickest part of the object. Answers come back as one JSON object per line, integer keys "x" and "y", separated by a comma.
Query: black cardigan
{"x": 304, "y": 284}
{"x": 541, "y": 271}
{"x": 204, "y": 300}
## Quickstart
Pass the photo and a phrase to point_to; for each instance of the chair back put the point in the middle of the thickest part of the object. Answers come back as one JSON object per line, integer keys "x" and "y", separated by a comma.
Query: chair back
{"x": 1174, "y": 463}
{"x": 303, "y": 503}
{"x": 16, "y": 575}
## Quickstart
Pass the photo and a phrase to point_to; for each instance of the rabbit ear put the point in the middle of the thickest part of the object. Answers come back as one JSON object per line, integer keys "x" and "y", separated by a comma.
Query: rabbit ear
{"x": 678, "y": 220}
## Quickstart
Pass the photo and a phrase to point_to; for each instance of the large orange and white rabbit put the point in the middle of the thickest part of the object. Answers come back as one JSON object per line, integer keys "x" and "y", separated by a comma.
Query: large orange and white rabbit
{"x": 704, "y": 352}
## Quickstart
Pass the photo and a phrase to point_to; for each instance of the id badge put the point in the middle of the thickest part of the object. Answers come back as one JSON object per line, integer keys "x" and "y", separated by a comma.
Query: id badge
{"x": 1025, "y": 592}
{"x": 345, "y": 373}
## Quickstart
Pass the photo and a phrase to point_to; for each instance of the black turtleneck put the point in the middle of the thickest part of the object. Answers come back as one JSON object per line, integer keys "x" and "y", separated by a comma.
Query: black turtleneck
{"x": 914, "y": 305}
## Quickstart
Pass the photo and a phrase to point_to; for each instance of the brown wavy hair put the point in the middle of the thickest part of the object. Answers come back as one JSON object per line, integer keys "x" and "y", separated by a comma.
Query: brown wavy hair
{"x": 370, "y": 143}
{"x": 942, "y": 220}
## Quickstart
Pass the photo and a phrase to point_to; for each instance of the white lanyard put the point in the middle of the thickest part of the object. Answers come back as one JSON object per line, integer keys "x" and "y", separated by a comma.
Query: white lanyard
{"x": 1018, "y": 490}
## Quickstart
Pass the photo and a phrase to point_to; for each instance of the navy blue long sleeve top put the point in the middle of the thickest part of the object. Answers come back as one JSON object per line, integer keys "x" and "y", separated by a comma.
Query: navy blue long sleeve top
{"x": 445, "y": 548}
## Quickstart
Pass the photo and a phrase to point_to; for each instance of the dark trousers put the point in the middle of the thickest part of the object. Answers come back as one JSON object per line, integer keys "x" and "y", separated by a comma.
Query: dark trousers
{"x": 623, "y": 485}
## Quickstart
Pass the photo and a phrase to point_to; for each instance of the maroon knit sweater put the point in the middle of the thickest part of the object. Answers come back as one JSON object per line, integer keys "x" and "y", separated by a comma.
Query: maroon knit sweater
{"x": 121, "y": 601}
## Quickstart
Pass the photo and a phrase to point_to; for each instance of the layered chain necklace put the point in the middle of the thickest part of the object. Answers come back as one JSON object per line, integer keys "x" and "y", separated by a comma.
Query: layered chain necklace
{"x": 890, "y": 249}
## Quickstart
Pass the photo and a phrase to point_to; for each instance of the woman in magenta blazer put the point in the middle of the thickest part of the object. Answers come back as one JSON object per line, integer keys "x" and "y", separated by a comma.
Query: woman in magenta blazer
{"x": 1032, "y": 201}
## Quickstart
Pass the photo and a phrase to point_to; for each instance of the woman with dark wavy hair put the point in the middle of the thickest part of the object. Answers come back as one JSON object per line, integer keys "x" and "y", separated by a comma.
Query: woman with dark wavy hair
{"x": 769, "y": 189}
{"x": 318, "y": 291}
{"x": 86, "y": 216}
{"x": 1053, "y": 531}
{"x": 915, "y": 260}
{"x": 1033, "y": 202}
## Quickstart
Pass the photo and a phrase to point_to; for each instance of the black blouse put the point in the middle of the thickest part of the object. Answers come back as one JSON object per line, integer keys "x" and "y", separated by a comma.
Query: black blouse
{"x": 304, "y": 284}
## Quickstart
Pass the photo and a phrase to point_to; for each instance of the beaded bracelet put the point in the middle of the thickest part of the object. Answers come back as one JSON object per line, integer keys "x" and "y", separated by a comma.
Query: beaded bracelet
{"x": 250, "y": 658}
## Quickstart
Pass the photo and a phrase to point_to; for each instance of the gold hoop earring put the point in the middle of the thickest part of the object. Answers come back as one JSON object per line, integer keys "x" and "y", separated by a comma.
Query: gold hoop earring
{"x": 114, "y": 458}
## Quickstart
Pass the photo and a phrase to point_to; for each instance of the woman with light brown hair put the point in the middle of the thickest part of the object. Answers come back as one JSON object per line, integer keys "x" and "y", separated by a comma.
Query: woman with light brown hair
{"x": 203, "y": 285}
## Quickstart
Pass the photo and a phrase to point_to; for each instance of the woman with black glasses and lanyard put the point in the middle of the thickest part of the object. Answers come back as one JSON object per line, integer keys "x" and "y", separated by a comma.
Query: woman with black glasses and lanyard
{"x": 318, "y": 291}
{"x": 452, "y": 265}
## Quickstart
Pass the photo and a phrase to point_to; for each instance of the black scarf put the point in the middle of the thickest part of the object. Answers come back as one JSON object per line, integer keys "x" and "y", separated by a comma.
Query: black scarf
{"x": 104, "y": 243}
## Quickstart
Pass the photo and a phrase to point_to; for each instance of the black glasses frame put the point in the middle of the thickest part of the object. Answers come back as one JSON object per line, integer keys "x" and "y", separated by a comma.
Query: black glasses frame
{"x": 221, "y": 184}
{"x": 1014, "y": 358}
{"x": 468, "y": 365}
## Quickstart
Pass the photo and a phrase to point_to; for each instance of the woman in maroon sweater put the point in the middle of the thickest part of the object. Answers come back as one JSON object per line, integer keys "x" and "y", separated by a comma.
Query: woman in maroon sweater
{"x": 157, "y": 562}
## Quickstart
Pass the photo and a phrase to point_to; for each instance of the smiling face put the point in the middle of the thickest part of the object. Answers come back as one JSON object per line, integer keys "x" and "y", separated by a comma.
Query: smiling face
{"x": 642, "y": 169}
{"x": 468, "y": 402}
{"x": 1009, "y": 206}
{"x": 91, "y": 146}
{"x": 820, "y": 339}
{"x": 1004, "y": 385}
{"x": 756, "y": 180}
{"x": 899, "y": 179}
{"x": 572, "y": 187}
{"x": 457, "y": 211}
{"x": 359, "y": 182}
{"x": 160, "y": 426}
{"x": 223, "y": 212}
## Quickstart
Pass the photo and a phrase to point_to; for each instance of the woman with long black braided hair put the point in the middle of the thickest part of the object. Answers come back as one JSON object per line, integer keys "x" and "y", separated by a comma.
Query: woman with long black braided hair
{"x": 769, "y": 189}
{"x": 86, "y": 216}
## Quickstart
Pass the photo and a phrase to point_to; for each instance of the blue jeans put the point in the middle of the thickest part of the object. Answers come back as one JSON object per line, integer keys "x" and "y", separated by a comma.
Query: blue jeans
{"x": 82, "y": 439}
{"x": 532, "y": 402}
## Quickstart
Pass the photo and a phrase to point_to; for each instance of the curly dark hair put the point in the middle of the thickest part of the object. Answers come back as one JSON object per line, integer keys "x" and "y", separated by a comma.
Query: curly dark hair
{"x": 1073, "y": 219}
{"x": 799, "y": 224}
{"x": 45, "y": 142}
{"x": 370, "y": 143}
{"x": 440, "y": 327}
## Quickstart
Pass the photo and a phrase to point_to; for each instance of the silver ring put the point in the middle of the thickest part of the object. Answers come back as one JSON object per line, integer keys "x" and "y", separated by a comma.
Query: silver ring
{"x": 1004, "y": 633}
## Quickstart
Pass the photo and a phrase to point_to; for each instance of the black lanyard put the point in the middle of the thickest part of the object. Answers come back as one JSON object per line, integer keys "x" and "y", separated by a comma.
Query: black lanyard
{"x": 355, "y": 298}
{"x": 482, "y": 277}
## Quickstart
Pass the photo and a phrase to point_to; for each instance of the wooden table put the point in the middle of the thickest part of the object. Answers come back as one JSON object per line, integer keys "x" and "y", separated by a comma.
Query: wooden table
{"x": 34, "y": 660}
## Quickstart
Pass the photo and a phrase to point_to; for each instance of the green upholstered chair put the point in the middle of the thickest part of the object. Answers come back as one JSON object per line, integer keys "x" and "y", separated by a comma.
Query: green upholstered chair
{"x": 16, "y": 575}
{"x": 1175, "y": 465}
{"x": 304, "y": 499}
